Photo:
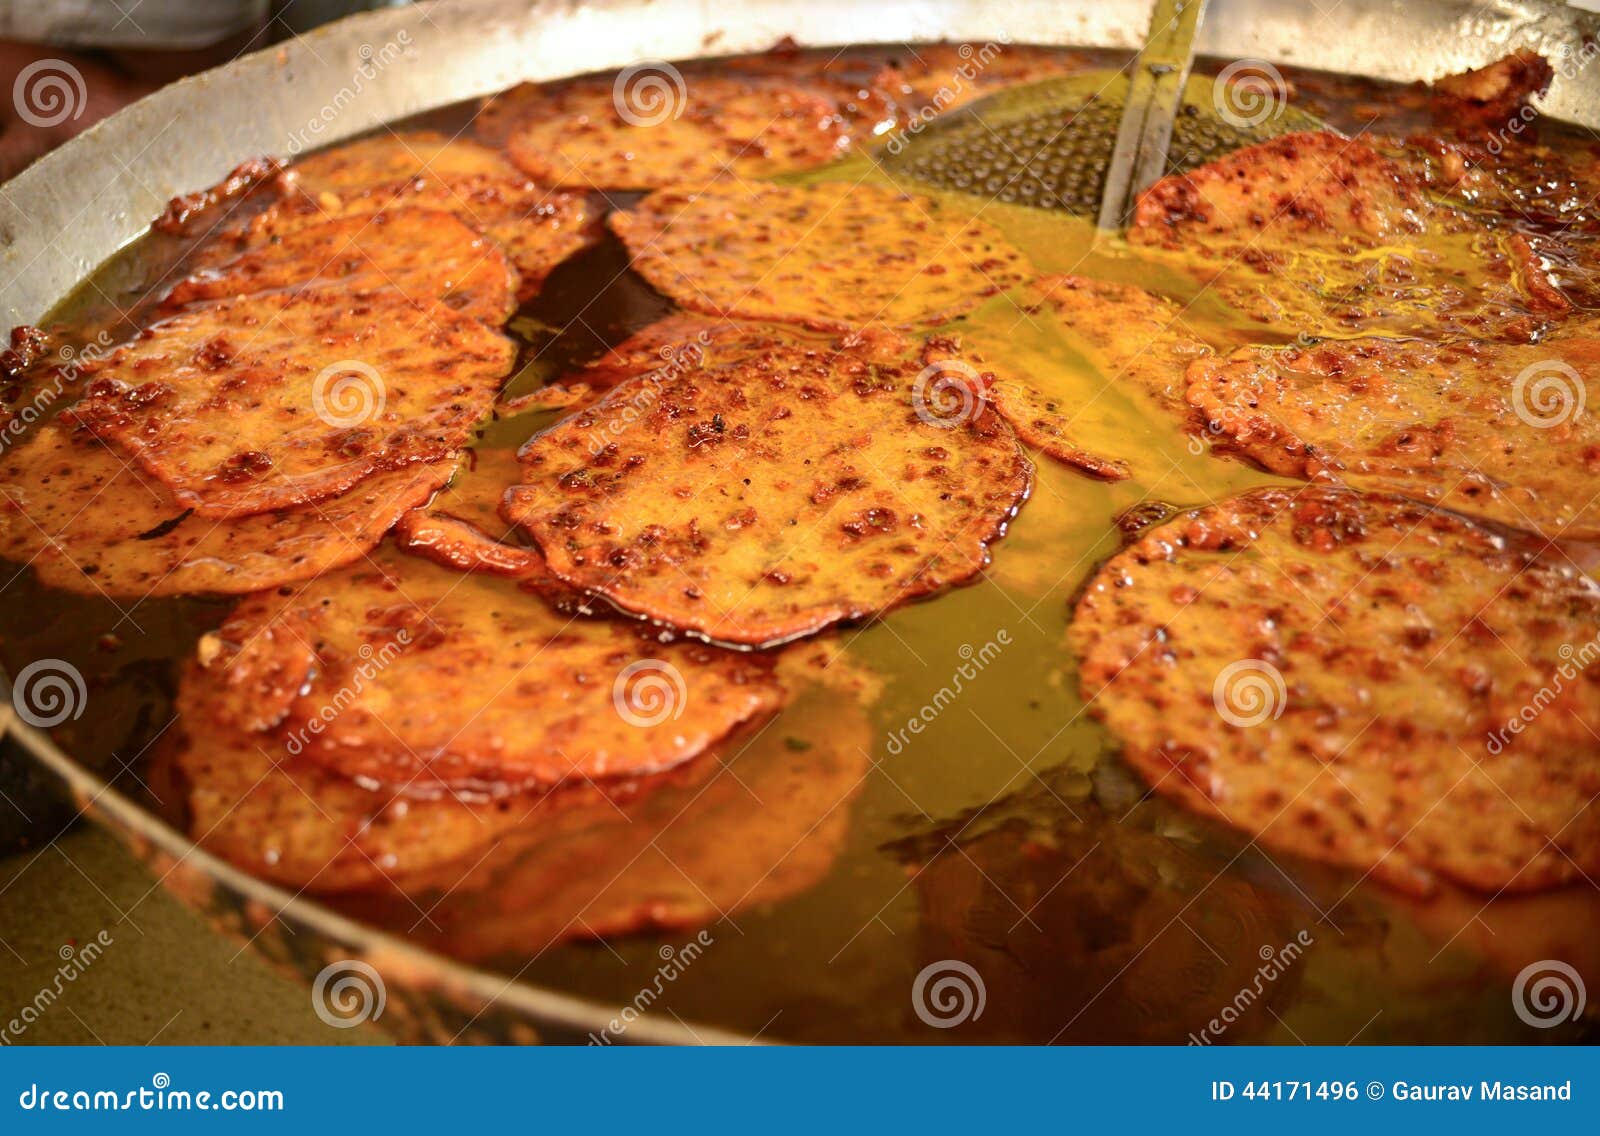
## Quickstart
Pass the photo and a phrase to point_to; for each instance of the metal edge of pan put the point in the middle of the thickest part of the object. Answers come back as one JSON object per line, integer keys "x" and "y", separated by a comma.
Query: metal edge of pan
{"x": 263, "y": 104}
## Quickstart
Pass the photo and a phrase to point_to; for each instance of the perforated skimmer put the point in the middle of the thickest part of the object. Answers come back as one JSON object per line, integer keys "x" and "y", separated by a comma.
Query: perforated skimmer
{"x": 1050, "y": 144}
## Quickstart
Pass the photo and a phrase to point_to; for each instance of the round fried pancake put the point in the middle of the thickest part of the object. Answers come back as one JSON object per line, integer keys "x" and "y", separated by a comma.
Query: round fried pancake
{"x": 831, "y": 256}
{"x": 538, "y": 227}
{"x": 266, "y": 402}
{"x": 1137, "y": 343}
{"x": 423, "y": 253}
{"x": 1323, "y": 234}
{"x": 397, "y": 156}
{"x": 772, "y": 495}
{"x": 847, "y": 77}
{"x": 1334, "y": 673}
{"x": 761, "y": 818}
{"x": 289, "y": 821}
{"x": 424, "y": 679}
{"x": 1498, "y": 430}
{"x": 90, "y": 521}
{"x": 657, "y": 126}
{"x": 758, "y": 818}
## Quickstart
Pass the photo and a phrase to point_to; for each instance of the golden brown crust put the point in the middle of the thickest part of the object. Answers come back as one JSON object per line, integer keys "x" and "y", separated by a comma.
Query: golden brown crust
{"x": 1325, "y": 235}
{"x": 831, "y": 256}
{"x": 392, "y": 157}
{"x": 427, "y": 681}
{"x": 658, "y": 126}
{"x": 776, "y": 494}
{"x": 89, "y": 521}
{"x": 424, "y": 254}
{"x": 538, "y": 227}
{"x": 755, "y": 821}
{"x": 286, "y": 820}
{"x": 1490, "y": 429}
{"x": 1335, "y": 673}
{"x": 267, "y": 402}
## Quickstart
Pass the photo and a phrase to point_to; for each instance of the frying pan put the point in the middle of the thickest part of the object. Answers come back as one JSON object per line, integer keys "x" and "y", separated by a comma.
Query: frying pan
{"x": 78, "y": 206}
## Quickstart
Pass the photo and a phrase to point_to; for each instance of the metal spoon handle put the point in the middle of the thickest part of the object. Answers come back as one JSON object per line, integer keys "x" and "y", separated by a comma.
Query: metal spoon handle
{"x": 1155, "y": 93}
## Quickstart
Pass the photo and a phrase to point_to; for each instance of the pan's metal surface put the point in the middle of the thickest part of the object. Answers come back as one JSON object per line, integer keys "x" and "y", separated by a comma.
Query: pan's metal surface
{"x": 72, "y": 210}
